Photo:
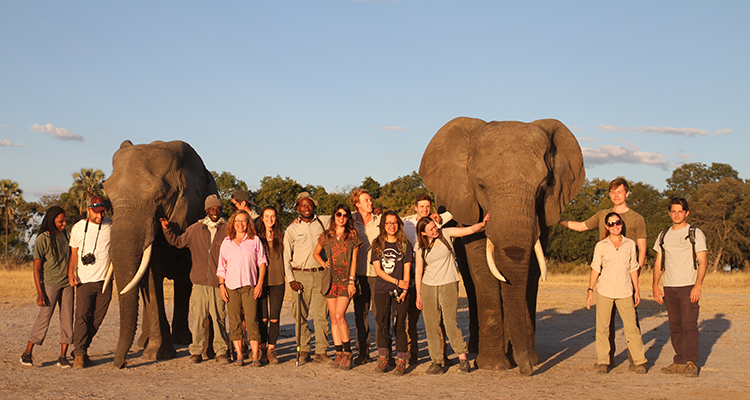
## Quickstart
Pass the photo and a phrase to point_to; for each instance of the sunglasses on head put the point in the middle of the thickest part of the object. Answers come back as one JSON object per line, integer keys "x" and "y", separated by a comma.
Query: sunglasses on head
{"x": 96, "y": 205}
{"x": 614, "y": 223}
{"x": 342, "y": 215}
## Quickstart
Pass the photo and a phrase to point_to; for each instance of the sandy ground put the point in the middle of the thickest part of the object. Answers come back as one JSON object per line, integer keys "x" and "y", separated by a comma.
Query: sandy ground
{"x": 565, "y": 343}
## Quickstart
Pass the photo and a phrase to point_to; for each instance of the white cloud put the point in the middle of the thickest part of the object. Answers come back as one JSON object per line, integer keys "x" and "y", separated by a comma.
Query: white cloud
{"x": 685, "y": 157}
{"x": 668, "y": 130}
{"x": 612, "y": 128}
{"x": 587, "y": 139}
{"x": 57, "y": 133}
{"x": 575, "y": 128}
{"x": 5, "y": 126}
{"x": 8, "y": 143}
{"x": 608, "y": 154}
{"x": 391, "y": 128}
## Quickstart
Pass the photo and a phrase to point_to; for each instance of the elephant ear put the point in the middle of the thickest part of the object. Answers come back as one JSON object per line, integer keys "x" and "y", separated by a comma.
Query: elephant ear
{"x": 193, "y": 181}
{"x": 565, "y": 162}
{"x": 443, "y": 168}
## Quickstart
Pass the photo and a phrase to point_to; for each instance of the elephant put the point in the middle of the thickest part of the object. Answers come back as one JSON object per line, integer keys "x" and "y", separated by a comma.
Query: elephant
{"x": 150, "y": 181}
{"x": 523, "y": 175}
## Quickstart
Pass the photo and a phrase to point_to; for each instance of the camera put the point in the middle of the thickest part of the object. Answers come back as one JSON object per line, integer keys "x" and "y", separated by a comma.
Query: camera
{"x": 395, "y": 293}
{"x": 88, "y": 259}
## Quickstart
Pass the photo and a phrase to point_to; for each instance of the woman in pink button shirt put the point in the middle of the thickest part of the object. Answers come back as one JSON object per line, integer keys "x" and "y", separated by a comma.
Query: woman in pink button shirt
{"x": 241, "y": 271}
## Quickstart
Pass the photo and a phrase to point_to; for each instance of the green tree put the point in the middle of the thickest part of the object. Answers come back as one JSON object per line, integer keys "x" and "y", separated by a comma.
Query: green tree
{"x": 722, "y": 211}
{"x": 227, "y": 184}
{"x": 652, "y": 205}
{"x": 280, "y": 193}
{"x": 687, "y": 178}
{"x": 10, "y": 198}
{"x": 568, "y": 245}
{"x": 87, "y": 183}
{"x": 398, "y": 195}
{"x": 372, "y": 186}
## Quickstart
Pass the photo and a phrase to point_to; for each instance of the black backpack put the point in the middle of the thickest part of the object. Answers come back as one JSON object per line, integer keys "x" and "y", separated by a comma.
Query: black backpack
{"x": 691, "y": 236}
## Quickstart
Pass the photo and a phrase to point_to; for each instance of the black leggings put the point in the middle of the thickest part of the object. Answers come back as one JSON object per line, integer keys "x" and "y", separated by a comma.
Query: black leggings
{"x": 269, "y": 306}
{"x": 387, "y": 307}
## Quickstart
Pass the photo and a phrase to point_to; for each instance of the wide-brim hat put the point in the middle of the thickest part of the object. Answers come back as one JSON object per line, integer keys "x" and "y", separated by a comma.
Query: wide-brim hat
{"x": 304, "y": 195}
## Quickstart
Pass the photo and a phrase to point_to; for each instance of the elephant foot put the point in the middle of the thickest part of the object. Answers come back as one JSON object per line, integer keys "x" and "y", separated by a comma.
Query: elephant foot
{"x": 120, "y": 362}
{"x": 497, "y": 363}
{"x": 525, "y": 367}
{"x": 182, "y": 338}
{"x": 166, "y": 354}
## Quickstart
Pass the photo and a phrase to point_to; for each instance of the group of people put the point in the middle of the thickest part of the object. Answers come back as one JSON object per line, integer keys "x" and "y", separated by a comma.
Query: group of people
{"x": 70, "y": 270}
{"x": 681, "y": 258}
{"x": 396, "y": 267}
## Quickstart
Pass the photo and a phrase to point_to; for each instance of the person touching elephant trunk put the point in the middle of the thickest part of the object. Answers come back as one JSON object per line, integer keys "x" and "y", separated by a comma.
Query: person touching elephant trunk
{"x": 204, "y": 239}
{"x": 437, "y": 287}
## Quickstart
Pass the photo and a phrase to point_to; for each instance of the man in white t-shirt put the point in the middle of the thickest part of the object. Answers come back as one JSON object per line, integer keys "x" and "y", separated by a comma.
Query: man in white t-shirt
{"x": 683, "y": 256}
{"x": 87, "y": 270}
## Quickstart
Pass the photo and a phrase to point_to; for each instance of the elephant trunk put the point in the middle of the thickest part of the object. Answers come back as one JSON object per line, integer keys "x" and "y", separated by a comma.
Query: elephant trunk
{"x": 490, "y": 250}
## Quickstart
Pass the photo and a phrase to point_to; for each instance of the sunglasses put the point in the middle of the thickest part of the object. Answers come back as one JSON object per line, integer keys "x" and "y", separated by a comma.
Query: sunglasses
{"x": 614, "y": 223}
{"x": 96, "y": 205}
{"x": 342, "y": 215}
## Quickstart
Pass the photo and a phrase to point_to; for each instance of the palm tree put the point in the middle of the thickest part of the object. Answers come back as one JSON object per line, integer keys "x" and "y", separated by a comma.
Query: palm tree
{"x": 10, "y": 196}
{"x": 87, "y": 183}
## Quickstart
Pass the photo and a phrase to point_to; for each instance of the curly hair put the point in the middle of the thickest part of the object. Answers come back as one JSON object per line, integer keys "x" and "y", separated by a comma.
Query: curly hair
{"x": 349, "y": 230}
{"x": 232, "y": 232}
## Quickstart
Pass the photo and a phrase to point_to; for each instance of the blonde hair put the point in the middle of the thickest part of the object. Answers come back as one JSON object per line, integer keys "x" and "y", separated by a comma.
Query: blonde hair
{"x": 231, "y": 232}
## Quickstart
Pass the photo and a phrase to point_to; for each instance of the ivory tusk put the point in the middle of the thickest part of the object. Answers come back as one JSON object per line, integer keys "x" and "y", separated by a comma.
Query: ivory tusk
{"x": 491, "y": 262}
{"x": 141, "y": 270}
{"x": 108, "y": 277}
{"x": 540, "y": 258}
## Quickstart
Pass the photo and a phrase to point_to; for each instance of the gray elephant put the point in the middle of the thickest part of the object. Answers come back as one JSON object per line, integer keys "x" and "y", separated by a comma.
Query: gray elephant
{"x": 161, "y": 179}
{"x": 523, "y": 175}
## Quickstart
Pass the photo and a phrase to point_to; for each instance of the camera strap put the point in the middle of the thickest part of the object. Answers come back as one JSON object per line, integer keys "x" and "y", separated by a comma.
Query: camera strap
{"x": 85, "y": 230}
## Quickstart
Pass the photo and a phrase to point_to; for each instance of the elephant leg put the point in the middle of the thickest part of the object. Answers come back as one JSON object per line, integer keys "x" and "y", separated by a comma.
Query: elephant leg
{"x": 491, "y": 349}
{"x": 142, "y": 341}
{"x": 180, "y": 330}
{"x": 463, "y": 267}
{"x": 160, "y": 341}
{"x": 520, "y": 328}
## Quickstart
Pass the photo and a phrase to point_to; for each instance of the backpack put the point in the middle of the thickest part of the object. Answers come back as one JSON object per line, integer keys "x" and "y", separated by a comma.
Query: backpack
{"x": 690, "y": 236}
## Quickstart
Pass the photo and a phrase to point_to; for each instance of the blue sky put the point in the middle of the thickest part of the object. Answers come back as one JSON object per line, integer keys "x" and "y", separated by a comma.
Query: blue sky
{"x": 329, "y": 92}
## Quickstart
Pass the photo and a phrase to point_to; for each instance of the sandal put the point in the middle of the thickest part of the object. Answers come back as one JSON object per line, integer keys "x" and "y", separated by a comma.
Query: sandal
{"x": 240, "y": 362}
{"x": 255, "y": 363}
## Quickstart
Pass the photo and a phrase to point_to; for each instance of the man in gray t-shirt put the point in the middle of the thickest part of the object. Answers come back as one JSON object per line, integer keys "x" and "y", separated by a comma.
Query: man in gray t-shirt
{"x": 683, "y": 280}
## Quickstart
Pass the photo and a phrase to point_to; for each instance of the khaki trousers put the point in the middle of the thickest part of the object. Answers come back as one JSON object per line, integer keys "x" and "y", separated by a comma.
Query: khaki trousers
{"x": 626, "y": 310}
{"x": 441, "y": 301}
{"x": 206, "y": 301}
{"x": 311, "y": 297}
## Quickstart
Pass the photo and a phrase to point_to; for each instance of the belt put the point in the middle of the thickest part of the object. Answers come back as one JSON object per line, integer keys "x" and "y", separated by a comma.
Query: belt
{"x": 308, "y": 269}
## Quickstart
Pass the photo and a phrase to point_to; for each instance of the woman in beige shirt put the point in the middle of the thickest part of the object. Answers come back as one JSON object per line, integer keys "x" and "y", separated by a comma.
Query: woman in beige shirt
{"x": 615, "y": 266}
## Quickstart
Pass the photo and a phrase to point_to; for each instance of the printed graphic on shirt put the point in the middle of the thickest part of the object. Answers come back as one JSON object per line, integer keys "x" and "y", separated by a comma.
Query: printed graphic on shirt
{"x": 389, "y": 258}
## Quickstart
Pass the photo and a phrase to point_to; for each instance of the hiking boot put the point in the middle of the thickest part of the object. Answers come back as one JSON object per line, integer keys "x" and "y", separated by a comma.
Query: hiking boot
{"x": 674, "y": 368}
{"x": 463, "y": 366}
{"x": 382, "y": 364}
{"x": 271, "y": 354}
{"x": 337, "y": 360}
{"x": 400, "y": 367}
{"x": 322, "y": 358}
{"x": 435, "y": 369}
{"x": 222, "y": 358}
{"x": 27, "y": 359}
{"x": 78, "y": 362}
{"x": 362, "y": 359}
{"x": 603, "y": 369}
{"x": 63, "y": 362}
{"x": 303, "y": 357}
{"x": 264, "y": 355}
{"x": 641, "y": 369}
{"x": 346, "y": 360}
{"x": 691, "y": 370}
{"x": 196, "y": 358}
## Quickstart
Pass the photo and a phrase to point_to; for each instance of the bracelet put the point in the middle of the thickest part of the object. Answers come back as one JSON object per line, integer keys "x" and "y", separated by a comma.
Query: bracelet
{"x": 351, "y": 278}
{"x": 351, "y": 282}
{"x": 590, "y": 289}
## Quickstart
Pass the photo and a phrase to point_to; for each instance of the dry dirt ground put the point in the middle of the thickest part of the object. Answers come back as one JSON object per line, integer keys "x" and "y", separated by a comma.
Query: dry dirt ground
{"x": 565, "y": 343}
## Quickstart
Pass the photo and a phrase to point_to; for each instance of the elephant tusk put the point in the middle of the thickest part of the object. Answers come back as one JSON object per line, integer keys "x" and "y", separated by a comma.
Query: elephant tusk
{"x": 540, "y": 258}
{"x": 108, "y": 277}
{"x": 491, "y": 262}
{"x": 141, "y": 270}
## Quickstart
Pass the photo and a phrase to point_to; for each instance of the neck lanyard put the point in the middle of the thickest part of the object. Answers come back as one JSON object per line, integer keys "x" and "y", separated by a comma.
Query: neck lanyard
{"x": 86, "y": 229}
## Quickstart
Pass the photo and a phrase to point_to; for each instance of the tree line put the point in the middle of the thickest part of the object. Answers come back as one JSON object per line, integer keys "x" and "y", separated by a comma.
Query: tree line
{"x": 719, "y": 205}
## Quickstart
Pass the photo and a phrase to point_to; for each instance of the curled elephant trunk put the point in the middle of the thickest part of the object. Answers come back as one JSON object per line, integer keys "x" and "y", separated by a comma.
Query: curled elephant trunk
{"x": 499, "y": 276}
{"x": 141, "y": 270}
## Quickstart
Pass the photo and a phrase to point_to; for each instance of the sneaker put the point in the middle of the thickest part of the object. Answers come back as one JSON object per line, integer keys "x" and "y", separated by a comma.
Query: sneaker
{"x": 362, "y": 359}
{"x": 27, "y": 359}
{"x": 63, "y": 362}
{"x": 382, "y": 364}
{"x": 435, "y": 369}
{"x": 641, "y": 369}
{"x": 196, "y": 359}
{"x": 603, "y": 369}
{"x": 463, "y": 366}
{"x": 674, "y": 368}
{"x": 304, "y": 356}
{"x": 78, "y": 362}
{"x": 400, "y": 367}
{"x": 271, "y": 355}
{"x": 691, "y": 370}
{"x": 222, "y": 358}
{"x": 322, "y": 358}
